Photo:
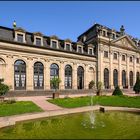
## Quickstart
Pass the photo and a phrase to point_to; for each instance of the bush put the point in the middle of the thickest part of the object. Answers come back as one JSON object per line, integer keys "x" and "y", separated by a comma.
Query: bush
{"x": 55, "y": 82}
{"x": 99, "y": 88}
{"x": 3, "y": 89}
{"x": 117, "y": 91}
{"x": 91, "y": 84}
{"x": 136, "y": 87}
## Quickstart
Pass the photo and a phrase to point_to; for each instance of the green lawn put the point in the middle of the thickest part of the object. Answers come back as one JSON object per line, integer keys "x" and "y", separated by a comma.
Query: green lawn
{"x": 123, "y": 101}
{"x": 19, "y": 107}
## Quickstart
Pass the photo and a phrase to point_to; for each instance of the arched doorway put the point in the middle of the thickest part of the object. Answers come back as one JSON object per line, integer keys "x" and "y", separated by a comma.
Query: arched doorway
{"x": 38, "y": 75}
{"x": 123, "y": 79}
{"x": 106, "y": 78}
{"x": 68, "y": 77}
{"x": 137, "y": 75}
{"x": 115, "y": 78}
{"x": 54, "y": 73}
{"x": 20, "y": 75}
{"x": 80, "y": 78}
{"x": 131, "y": 78}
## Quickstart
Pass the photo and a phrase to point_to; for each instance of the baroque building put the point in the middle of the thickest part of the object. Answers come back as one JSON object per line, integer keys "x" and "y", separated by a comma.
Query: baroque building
{"x": 28, "y": 61}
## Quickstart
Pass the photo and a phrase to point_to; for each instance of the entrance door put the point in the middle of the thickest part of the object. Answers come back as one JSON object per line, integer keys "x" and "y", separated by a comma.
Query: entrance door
{"x": 80, "y": 78}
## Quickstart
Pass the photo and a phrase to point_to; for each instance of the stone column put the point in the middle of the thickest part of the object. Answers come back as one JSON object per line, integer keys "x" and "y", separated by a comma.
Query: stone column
{"x": 111, "y": 71}
{"x": 120, "y": 71}
{"x": 100, "y": 67}
{"x": 47, "y": 75}
{"x": 127, "y": 72}
{"x": 61, "y": 75}
{"x": 29, "y": 75}
{"x": 134, "y": 72}
{"x": 9, "y": 72}
{"x": 86, "y": 77}
{"x": 74, "y": 76}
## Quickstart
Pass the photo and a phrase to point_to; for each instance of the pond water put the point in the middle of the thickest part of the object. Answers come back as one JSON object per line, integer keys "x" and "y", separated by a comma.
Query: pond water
{"x": 108, "y": 125}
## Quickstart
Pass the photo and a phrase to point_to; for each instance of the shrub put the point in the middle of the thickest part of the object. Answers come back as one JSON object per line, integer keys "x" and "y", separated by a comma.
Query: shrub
{"x": 99, "y": 88}
{"x": 136, "y": 87}
{"x": 3, "y": 89}
{"x": 91, "y": 84}
{"x": 55, "y": 82}
{"x": 117, "y": 91}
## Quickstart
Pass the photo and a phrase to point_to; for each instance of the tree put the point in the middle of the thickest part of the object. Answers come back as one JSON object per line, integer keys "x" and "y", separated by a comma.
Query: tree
{"x": 117, "y": 91}
{"x": 136, "y": 87}
{"x": 91, "y": 84}
{"x": 55, "y": 82}
{"x": 99, "y": 88}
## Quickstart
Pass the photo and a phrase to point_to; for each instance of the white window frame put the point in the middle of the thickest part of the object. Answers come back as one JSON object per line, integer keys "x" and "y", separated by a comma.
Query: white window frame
{"x": 56, "y": 43}
{"x": 78, "y": 47}
{"x": 20, "y": 33}
{"x": 68, "y": 44}
{"x": 35, "y": 37}
{"x": 92, "y": 50}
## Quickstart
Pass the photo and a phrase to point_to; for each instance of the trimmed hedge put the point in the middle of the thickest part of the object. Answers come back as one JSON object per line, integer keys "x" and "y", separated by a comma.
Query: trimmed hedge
{"x": 117, "y": 91}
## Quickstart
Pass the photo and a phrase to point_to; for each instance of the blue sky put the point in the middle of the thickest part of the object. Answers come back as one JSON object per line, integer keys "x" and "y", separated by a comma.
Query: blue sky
{"x": 69, "y": 19}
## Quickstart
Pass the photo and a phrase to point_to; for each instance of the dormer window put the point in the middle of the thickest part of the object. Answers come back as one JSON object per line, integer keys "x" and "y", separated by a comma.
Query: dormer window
{"x": 113, "y": 36}
{"x": 104, "y": 33}
{"x": 67, "y": 47}
{"x": 90, "y": 51}
{"x": 20, "y": 38}
{"x": 80, "y": 50}
{"x": 38, "y": 41}
{"x": 54, "y": 44}
{"x": 19, "y": 35}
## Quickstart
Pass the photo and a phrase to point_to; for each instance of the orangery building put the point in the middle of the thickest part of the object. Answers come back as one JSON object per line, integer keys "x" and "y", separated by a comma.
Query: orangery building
{"x": 28, "y": 61}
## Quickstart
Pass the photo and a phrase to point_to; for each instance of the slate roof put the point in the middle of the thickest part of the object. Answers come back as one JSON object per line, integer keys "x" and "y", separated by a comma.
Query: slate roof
{"x": 7, "y": 34}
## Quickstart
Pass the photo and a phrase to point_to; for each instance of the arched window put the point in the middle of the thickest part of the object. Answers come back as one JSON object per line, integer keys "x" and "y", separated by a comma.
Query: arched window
{"x": 68, "y": 77}
{"x": 20, "y": 75}
{"x": 38, "y": 75}
{"x": 115, "y": 77}
{"x": 106, "y": 78}
{"x": 54, "y": 73}
{"x": 124, "y": 79}
{"x": 80, "y": 77}
{"x": 138, "y": 75}
{"x": 131, "y": 78}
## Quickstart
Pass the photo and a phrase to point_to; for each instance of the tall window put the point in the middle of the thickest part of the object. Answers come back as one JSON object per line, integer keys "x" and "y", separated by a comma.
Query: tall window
{"x": 54, "y": 44}
{"x": 106, "y": 78}
{"x": 54, "y": 73}
{"x": 106, "y": 54}
{"x": 115, "y": 56}
{"x": 115, "y": 78}
{"x": 123, "y": 57}
{"x": 20, "y": 75}
{"x": 124, "y": 79}
{"x": 131, "y": 78}
{"x": 38, "y": 41}
{"x": 68, "y": 47}
{"x": 68, "y": 77}
{"x": 131, "y": 59}
{"x": 137, "y": 60}
{"x": 80, "y": 77}
{"x": 20, "y": 38}
{"x": 38, "y": 75}
{"x": 138, "y": 74}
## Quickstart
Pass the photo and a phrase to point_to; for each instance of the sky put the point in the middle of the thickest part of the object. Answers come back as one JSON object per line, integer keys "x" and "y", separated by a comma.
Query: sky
{"x": 69, "y": 19}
